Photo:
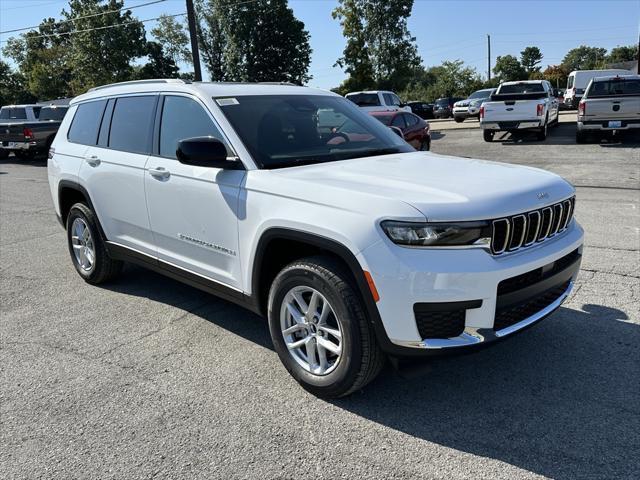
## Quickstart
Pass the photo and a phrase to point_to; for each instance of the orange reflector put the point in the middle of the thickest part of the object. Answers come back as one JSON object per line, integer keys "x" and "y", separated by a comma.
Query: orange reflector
{"x": 372, "y": 286}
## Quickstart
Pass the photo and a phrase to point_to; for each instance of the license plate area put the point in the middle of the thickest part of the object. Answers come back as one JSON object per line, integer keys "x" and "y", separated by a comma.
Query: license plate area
{"x": 614, "y": 124}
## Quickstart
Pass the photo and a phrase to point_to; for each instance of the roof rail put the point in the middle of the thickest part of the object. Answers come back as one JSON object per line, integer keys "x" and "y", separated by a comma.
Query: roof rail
{"x": 138, "y": 82}
{"x": 279, "y": 83}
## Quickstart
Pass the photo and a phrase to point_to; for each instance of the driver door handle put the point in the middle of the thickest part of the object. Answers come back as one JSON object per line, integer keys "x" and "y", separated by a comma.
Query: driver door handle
{"x": 160, "y": 173}
{"x": 93, "y": 160}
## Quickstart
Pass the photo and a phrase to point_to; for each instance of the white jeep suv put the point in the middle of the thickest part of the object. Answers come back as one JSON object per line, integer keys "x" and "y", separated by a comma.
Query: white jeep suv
{"x": 354, "y": 245}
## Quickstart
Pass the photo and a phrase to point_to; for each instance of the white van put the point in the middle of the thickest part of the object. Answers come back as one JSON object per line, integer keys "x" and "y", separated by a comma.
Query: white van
{"x": 579, "y": 79}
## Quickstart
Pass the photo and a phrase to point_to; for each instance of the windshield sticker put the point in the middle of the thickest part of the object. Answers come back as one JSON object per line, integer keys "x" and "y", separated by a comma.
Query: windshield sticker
{"x": 223, "y": 102}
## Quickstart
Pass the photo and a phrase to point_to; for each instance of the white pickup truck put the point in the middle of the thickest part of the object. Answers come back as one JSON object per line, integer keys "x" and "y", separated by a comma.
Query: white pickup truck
{"x": 518, "y": 106}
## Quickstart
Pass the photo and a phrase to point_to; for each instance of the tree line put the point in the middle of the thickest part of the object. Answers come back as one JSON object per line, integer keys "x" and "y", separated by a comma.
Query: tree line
{"x": 99, "y": 41}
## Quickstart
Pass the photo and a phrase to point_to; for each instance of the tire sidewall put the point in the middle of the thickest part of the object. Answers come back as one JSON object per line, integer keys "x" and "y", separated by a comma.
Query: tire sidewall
{"x": 347, "y": 369}
{"x": 83, "y": 212}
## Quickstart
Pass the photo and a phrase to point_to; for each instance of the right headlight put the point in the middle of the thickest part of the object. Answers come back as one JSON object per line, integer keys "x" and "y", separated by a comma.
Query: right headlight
{"x": 437, "y": 234}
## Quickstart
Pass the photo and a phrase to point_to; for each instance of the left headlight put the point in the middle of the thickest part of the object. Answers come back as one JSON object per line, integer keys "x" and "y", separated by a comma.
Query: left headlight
{"x": 437, "y": 234}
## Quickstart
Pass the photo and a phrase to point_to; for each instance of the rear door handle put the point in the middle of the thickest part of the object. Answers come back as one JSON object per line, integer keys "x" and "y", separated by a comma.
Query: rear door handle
{"x": 93, "y": 160}
{"x": 160, "y": 173}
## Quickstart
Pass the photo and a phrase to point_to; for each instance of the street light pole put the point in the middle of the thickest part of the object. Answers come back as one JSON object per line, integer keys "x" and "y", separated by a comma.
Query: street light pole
{"x": 191, "y": 17}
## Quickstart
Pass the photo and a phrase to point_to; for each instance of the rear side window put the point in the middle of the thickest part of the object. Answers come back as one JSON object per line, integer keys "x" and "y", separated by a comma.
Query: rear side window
{"x": 183, "y": 118}
{"x": 410, "y": 119}
{"x": 132, "y": 123}
{"x": 36, "y": 111}
{"x": 52, "y": 113}
{"x": 86, "y": 122}
{"x": 8, "y": 113}
{"x": 365, "y": 99}
{"x": 614, "y": 88}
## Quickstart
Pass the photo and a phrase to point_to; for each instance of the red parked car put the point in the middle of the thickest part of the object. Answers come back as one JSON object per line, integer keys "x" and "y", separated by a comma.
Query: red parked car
{"x": 414, "y": 129}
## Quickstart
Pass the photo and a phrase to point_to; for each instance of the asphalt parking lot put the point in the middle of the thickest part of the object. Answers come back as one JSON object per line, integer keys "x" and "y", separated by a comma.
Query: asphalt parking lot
{"x": 148, "y": 378}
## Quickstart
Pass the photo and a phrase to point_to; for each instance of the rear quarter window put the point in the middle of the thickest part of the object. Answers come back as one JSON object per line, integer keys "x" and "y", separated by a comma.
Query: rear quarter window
{"x": 132, "y": 123}
{"x": 86, "y": 122}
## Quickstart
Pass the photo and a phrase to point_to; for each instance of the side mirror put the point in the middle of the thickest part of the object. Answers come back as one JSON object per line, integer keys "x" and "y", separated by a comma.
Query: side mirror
{"x": 205, "y": 152}
{"x": 397, "y": 131}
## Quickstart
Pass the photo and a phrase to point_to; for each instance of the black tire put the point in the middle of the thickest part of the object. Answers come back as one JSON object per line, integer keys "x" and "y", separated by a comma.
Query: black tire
{"x": 425, "y": 146}
{"x": 104, "y": 268}
{"x": 3, "y": 153}
{"x": 361, "y": 359}
{"x": 542, "y": 132}
{"x": 459, "y": 119}
{"x": 487, "y": 135}
{"x": 581, "y": 137}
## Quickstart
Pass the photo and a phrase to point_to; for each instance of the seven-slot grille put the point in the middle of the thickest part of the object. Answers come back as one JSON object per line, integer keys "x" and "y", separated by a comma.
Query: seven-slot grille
{"x": 511, "y": 233}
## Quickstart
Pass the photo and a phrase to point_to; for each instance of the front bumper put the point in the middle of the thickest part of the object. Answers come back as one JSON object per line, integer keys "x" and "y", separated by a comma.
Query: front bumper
{"x": 511, "y": 125}
{"x": 17, "y": 145}
{"x": 405, "y": 277}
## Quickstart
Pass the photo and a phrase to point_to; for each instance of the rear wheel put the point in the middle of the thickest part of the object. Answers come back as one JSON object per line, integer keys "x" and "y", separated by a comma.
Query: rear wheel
{"x": 87, "y": 248}
{"x": 488, "y": 135}
{"x": 542, "y": 133}
{"x": 319, "y": 328}
{"x": 4, "y": 153}
{"x": 581, "y": 137}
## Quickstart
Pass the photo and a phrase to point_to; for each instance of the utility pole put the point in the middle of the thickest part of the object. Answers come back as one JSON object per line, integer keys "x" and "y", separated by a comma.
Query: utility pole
{"x": 638, "y": 66}
{"x": 488, "y": 57}
{"x": 191, "y": 17}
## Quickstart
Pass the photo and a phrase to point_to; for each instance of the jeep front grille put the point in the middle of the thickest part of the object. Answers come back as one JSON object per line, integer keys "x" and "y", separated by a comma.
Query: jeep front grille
{"x": 512, "y": 233}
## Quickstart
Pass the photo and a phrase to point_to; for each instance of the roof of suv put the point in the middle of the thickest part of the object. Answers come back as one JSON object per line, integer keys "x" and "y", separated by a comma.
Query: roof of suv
{"x": 616, "y": 77}
{"x": 210, "y": 89}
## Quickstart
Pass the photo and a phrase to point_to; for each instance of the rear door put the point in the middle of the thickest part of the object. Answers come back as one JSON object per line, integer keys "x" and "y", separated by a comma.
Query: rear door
{"x": 194, "y": 211}
{"x": 114, "y": 171}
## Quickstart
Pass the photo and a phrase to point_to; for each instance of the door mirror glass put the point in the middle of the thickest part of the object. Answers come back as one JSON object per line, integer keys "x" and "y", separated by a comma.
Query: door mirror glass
{"x": 204, "y": 152}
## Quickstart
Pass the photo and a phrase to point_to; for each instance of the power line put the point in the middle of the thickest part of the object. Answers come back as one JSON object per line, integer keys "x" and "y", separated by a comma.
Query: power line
{"x": 102, "y": 28}
{"x": 86, "y": 16}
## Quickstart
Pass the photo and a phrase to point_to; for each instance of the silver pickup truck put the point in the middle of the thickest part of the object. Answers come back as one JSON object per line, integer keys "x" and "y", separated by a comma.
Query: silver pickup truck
{"x": 610, "y": 105}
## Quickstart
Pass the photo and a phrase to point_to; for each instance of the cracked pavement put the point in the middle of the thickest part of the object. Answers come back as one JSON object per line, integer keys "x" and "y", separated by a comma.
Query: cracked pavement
{"x": 149, "y": 378}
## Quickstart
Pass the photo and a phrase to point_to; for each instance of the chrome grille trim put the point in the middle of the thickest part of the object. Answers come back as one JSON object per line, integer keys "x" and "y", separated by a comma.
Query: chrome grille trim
{"x": 530, "y": 225}
{"x": 537, "y": 226}
{"x": 513, "y": 244}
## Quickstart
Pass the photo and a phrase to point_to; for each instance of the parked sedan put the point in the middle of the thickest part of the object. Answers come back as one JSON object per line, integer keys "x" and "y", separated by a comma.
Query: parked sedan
{"x": 470, "y": 107}
{"x": 422, "y": 109}
{"x": 443, "y": 108}
{"x": 414, "y": 129}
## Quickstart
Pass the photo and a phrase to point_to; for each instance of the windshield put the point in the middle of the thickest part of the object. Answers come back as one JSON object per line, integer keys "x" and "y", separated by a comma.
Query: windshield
{"x": 442, "y": 101}
{"x": 481, "y": 94}
{"x": 52, "y": 113}
{"x": 364, "y": 99}
{"x": 521, "y": 88}
{"x": 613, "y": 88}
{"x": 288, "y": 130}
{"x": 9, "y": 113}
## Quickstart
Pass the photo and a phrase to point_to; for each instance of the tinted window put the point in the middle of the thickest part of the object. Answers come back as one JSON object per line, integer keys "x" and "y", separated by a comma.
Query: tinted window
{"x": 183, "y": 118}
{"x": 521, "y": 88}
{"x": 85, "y": 124}
{"x": 398, "y": 121}
{"x": 613, "y": 88}
{"x": 365, "y": 99}
{"x": 36, "y": 111}
{"x": 52, "y": 113}
{"x": 13, "y": 114}
{"x": 410, "y": 119}
{"x": 385, "y": 119}
{"x": 395, "y": 100}
{"x": 442, "y": 102}
{"x": 131, "y": 124}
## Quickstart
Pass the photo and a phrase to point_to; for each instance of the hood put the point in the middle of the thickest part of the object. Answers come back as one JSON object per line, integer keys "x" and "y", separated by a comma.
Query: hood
{"x": 442, "y": 188}
{"x": 462, "y": 103}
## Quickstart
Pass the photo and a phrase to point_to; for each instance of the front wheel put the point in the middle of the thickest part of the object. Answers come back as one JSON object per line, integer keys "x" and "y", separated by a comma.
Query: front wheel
{"x": 459, "y": 119}
{"x": 488, "y": 135}
{"x": 319, "y": 328}
{"x": 425, "y": 145}
{"x": 4, "y": 153}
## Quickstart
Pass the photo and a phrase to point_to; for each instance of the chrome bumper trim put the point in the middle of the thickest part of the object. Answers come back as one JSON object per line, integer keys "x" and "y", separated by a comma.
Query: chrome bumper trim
{"x": 474, "y": 336}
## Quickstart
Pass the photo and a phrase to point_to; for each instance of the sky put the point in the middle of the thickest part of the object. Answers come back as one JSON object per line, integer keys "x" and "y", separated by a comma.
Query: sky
{"x": 444, "y": 30}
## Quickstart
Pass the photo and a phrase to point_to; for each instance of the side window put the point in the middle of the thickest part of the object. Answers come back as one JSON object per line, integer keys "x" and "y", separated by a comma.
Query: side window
{"x": 388, "y": 99}
{"x": 85, "y": 123}
{"x": 183, "y": 118}
{"x": 36, "y": 112}
{"x": 395, "y": 99}
{"x": 398, "y": 121}
{"x": 410, "y": 119}
{"x": 131, "y": 124}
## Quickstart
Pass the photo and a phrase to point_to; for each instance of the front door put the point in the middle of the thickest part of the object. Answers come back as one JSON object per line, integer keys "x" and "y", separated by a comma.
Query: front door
{"x": 193, "y": 210}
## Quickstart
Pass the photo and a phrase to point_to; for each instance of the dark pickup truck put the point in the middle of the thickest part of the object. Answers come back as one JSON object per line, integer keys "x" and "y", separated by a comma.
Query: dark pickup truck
{"x": 27, "y": 138}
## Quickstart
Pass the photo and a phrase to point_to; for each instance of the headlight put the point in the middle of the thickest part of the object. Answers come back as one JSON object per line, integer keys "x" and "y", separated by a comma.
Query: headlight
{"x": 437, "y": 234}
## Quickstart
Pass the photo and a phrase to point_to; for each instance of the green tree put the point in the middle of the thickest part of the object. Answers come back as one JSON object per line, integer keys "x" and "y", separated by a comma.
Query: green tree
{"x": 380, "y": 48}
{"x": 13, "y": 87}
{"x": 508, "y": 68}
{"x": 530, "y": 59}
{"x": 256, "y": 41}
{"x": 158, "y": 66}
{"x": 557, "y": 75}
{"x": 451, "y": 78}
{"x": 103, "y": 46}
{"x": 584, "y": 58}
{"x": 172, "y": 35}
{"x": 623, "y": 54}
{"x": 41, "y": 56}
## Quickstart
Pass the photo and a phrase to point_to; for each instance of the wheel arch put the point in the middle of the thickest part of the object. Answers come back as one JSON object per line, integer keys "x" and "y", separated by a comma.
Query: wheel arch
{"x": 279, "y": 246}
{"x": 69, "y": 193}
